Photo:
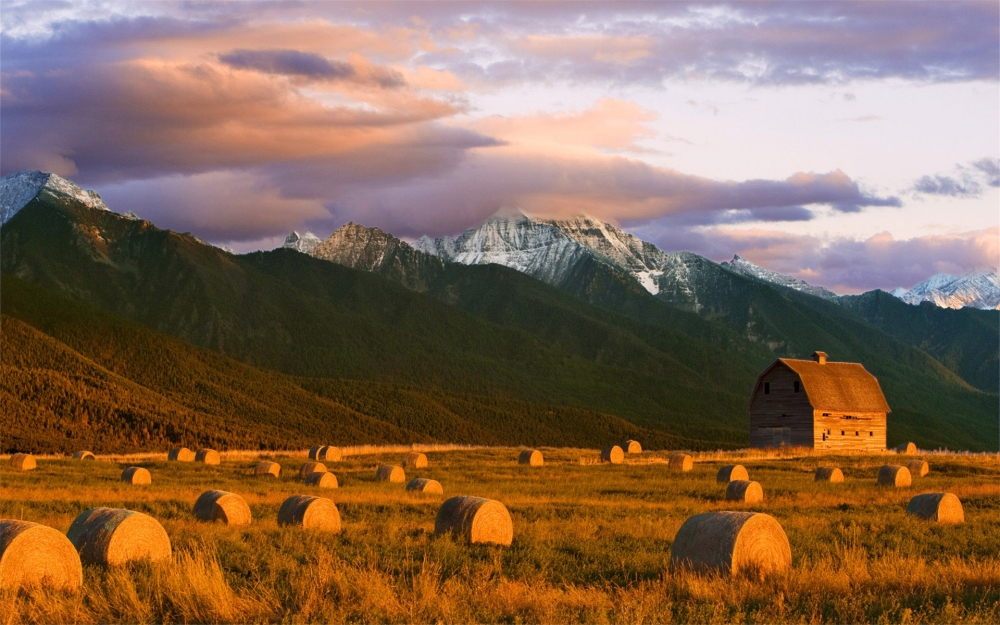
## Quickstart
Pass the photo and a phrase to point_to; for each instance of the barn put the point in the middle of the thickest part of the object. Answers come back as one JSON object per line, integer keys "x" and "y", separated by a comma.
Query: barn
{"x": 833, "y": 406}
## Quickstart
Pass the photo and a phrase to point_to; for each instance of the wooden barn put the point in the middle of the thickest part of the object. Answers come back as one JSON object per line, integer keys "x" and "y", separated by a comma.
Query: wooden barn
{"x": 814, "y": 403}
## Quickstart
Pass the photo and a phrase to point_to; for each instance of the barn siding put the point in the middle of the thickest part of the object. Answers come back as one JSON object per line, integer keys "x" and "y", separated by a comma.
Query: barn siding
{"x": 869, "y": 426}
{"x": 783, "y": 407}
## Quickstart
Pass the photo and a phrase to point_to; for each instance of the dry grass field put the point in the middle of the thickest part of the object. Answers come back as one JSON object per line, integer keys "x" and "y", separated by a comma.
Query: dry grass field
{"x": 591, "y": 543}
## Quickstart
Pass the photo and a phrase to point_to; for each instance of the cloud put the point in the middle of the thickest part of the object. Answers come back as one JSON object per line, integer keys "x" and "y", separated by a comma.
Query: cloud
{"x": 862, "y": 118}
{"x": 288, "y": 62}
{"x": 966, "y": 182}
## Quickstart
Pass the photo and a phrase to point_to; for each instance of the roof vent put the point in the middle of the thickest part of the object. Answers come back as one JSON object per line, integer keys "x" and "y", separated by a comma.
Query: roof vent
{"x": 819, "y": 357}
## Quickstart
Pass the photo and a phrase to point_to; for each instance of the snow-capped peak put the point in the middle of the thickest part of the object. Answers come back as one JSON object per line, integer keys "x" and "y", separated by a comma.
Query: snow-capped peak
{"x": 19, "y": 188}
{"x": 979, "y": 289}
{"x": 744, "y": 267}
{"x": 304, "y": 243}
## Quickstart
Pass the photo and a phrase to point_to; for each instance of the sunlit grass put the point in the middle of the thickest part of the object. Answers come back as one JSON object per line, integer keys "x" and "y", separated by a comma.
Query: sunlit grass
{"x": 591, "y": 543}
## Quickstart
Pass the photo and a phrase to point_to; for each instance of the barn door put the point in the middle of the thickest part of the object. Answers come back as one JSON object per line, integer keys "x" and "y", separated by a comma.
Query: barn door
{"x": 782, "y": 436}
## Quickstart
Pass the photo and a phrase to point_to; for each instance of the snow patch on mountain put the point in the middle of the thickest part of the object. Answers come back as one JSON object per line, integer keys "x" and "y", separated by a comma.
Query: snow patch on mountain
{"x": 744, "y": 267}
{"x": 979, "y": 289}
{"x": 19, "y": 188}
{"x": 304, "y": 243}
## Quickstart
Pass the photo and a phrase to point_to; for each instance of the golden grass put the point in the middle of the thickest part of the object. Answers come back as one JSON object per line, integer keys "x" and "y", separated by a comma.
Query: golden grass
{"x": 591, "y": 544}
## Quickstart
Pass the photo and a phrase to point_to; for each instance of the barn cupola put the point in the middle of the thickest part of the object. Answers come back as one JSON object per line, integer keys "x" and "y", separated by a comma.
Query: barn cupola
{"x": 819, "y": 357}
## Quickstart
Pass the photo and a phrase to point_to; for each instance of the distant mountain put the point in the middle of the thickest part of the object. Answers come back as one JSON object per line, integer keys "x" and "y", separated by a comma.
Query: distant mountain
{"x": 304, "y": 243}
{"x": 979, "y": 289}
{"x": 17, "y": 189}
{"x": 496, "y": 341}
{"x": 742, "y": 266}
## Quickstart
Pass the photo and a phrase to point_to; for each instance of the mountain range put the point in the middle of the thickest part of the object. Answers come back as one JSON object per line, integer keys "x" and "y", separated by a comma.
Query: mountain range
{"x": 383, "y": 340}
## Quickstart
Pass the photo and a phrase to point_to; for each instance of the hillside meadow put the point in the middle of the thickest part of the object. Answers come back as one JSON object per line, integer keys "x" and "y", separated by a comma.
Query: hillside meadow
{"x": 591, "y": 542}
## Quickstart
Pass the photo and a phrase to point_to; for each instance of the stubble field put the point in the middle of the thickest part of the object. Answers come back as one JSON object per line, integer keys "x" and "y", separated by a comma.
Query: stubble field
{"x": 591, "y": 543}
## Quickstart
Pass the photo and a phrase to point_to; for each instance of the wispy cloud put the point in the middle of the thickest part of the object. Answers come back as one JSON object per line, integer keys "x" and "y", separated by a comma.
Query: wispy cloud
{"x": 965, "y": 181}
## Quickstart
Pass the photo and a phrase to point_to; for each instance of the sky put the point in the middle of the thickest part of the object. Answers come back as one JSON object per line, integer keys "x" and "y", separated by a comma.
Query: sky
{"x": 852, "y": 145}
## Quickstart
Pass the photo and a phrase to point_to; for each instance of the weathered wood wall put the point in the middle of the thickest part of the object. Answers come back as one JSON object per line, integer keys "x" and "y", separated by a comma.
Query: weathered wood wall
{"x": 782, "y": 408}
{"x": 849, "y": 431}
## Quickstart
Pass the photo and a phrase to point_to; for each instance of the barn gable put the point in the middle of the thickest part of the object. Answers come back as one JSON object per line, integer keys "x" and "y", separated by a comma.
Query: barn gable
{"x": 834, "y": 386}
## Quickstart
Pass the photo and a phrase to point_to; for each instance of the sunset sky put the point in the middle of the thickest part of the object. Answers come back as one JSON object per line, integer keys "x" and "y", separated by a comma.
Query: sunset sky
{"x": 855, "y": 146}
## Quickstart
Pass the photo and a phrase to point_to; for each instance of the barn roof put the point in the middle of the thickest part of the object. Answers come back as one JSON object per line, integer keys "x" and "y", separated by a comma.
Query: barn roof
{"x": 835, "y": 385}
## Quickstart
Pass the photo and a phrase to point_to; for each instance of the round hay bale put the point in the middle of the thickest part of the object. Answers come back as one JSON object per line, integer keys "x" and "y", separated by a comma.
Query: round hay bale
{"x": 937, "y": 507}
{"x": 681, "y": 462}
{"x": 424, "y": 485}
{"x": 218, "y": 505}
{"x": 829, "y": 474}
{"x": 311, "y": 467}
{"x": 531, "y": 457}
{"x": 894, "y": 475}
{"x": 631, "y": 447}
{"x": 322, "y": 479}
{"x": 23, "y": 462}
{"x": 918, "y": 468}
{"x": 84, "y": 455}
{"x": 390, "y": 473}
{"x": 907, "y": 448}
{"x": 732, "y": 472}
{"x": 731, "y": 543}
{"x": 37, "y": 555}
{"x": 180, "y": 454}
{"x": 613, "y": 454}
{"x": 414, "y": 460}
{"x": 328, "y": 454}
{"x": 310, "y": 513}
{"x": 207, "y": 456}
{"x": 112, "y": 536}
{"x": 745, "y": 491}
{"x": 312, "y": 452}
{"x": 476, "y": 520}
{"x": 136, "y": 476}
{"x": 266, "y": 467}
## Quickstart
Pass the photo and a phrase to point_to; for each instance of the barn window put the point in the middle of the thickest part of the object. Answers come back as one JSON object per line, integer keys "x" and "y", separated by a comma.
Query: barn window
{"x": 871, "y": 434}
{"x": 797, "y": 386}
{"x": 767, "y": 388}
{"x": 842, "y": 432}
{"x": 856, "y": 434}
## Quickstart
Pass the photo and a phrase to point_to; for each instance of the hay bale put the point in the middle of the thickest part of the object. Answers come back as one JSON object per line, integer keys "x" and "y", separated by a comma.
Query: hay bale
{"x": 328, "y": 454}
{"x": 112, "y": 536}
{"x": 414, "y": 460}
{"x": 829, "y": 474}
{"x": 84, "y": 455}
{"x": 731, "y": 543}
{"x": 613, "y": 454}
{"x": 311, "y": 467}
{"x": 322, "y": 479}
{"x": 310, "y": 513}
{"x": 390, "y": 473}
{"x": 424, "y": 485}
{"x": 531, "y": 457}
{"x": 907, "y": 448}
{"x": 918, "y": 468}
{"x": 680, "y": 462}
{"x": 219, "y": 505}
{"x": 937, "y": 507}
{"x": 476, "y": 520}
{"x": 136, "y": 476}
{"x": 732, "y": 472}
{"x": 37, "y": 555}
{"x": 894, "y": 475}
{"x": 745, "y": 491}
{"x": 180, "y": 454}
{"x": 207, "y": 456}
{"x": 266, "y": 467}
{"x": 312, "y": 452}
{"x": 23, "y": 462}
{"x": 631, "y": 447}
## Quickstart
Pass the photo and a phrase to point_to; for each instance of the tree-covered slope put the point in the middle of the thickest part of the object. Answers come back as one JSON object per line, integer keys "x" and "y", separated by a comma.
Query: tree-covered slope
{"x": 76, "y": 377}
